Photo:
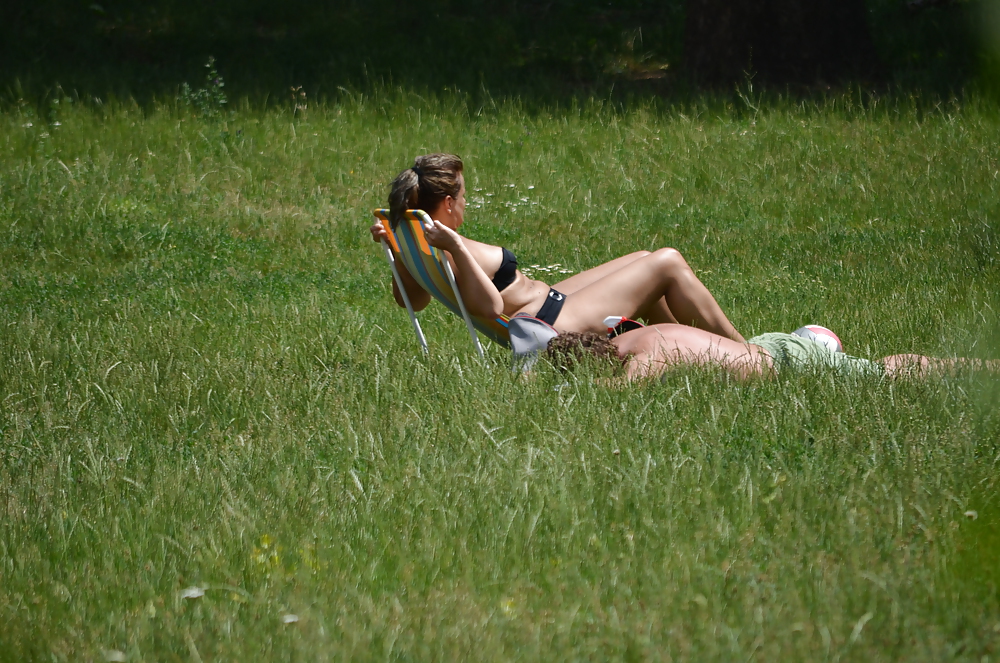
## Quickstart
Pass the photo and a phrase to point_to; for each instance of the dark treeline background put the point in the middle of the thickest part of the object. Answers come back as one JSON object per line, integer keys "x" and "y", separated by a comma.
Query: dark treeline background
{"x": 530, "y": 48}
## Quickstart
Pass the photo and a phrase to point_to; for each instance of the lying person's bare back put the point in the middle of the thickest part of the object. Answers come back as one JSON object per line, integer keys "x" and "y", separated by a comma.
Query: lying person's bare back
{"x": 648, "y": 351}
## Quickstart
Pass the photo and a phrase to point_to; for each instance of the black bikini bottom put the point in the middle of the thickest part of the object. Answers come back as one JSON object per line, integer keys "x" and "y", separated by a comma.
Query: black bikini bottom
{"x": 552, "y": 307}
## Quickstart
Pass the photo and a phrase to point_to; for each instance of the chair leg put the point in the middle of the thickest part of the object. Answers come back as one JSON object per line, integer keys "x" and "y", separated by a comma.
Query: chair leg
{"x": 406, "y": 298}
{"x": 465, "y": 313}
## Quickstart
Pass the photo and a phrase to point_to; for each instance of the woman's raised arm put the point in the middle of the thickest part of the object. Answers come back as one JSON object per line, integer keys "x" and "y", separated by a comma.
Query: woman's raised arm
{"x": 481, "y": 297}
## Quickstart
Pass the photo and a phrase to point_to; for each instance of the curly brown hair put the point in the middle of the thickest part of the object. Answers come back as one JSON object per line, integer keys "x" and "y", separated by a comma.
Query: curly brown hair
{"x": 569, "y": 348}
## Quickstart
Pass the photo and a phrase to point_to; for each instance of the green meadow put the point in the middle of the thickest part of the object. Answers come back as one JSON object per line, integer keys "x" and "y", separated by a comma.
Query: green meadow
{"x": 220, "y": 441}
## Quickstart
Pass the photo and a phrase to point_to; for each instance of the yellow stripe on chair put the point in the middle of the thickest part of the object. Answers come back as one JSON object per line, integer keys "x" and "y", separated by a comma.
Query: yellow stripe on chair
{"x": 416, "y": 223}
{"x": 383, "y": 217}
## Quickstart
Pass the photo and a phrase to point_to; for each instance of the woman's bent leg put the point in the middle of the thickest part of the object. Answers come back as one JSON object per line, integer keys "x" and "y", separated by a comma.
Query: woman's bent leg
{"x": 585, "y": 278}
{"x": 635, "y": 290}
{"x": 660, "y": 312}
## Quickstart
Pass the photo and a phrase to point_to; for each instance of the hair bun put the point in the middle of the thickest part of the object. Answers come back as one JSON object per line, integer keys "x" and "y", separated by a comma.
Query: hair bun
{"x": 417, "y": 170}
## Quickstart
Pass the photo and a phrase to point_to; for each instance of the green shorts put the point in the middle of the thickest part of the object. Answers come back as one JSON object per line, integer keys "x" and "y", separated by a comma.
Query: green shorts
{"x": 791, "y": 351}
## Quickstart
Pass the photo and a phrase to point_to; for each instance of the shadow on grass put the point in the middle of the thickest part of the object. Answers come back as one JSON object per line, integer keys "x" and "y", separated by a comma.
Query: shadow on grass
{"x": 538, "y": 52}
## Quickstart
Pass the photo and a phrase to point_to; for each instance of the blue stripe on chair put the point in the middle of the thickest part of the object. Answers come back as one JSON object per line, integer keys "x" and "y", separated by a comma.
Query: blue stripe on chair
{"x": 418, "y": 269}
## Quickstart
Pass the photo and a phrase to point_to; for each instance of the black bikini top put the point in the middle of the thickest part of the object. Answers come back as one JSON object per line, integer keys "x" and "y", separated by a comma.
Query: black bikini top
{"x": 507, "y": 271}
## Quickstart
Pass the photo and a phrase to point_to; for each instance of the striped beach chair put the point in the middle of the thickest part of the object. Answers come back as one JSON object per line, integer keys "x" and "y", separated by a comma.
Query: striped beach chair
{"x": 433, "y": 272}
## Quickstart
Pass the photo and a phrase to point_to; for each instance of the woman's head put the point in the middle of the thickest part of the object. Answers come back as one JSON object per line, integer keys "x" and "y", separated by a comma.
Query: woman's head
{"x": 569, "y": 348}
{"x": 431, "y": 179}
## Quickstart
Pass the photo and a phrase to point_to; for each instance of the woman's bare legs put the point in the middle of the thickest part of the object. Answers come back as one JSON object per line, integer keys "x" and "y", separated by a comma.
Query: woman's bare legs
{"x": 583, "y": 279}
{"x": 653, "y": 349}
{"x": 635, "y": 290}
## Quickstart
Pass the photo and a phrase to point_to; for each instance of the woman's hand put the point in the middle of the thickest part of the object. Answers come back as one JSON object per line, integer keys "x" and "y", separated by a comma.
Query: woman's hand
{"x": 378, "y": 232}
{"x": 441, "y": 236}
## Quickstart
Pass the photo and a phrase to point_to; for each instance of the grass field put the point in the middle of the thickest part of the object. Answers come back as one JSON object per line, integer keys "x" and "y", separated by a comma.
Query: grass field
{"x": 220, "y": 441}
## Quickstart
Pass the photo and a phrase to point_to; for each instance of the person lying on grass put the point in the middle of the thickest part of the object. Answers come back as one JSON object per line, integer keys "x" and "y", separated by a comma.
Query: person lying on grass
{"x": 657, "y": 286}
{"x": 650, "y": 351}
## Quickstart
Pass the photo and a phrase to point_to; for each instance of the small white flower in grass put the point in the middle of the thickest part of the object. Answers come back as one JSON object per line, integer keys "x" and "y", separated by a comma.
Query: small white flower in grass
{"x": 192, "y": 593}
{"x": 531, "y": 187}
{"x": 971, "y": 515}
{"x": 61, "y": 590}
{"x": 59, "y": 124}
{"x": 289, "y": 618}
{"x": 114, "y": 655}
{"x": 511, "y": 186}
{"x": 27, "y": 125}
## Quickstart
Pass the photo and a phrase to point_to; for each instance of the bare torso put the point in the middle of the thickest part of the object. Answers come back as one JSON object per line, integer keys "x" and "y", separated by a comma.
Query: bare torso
{"x": 523, "y": 295}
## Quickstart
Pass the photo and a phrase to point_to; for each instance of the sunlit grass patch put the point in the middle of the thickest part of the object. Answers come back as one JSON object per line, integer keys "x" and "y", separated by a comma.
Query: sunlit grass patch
{"x": 205, "y": 388}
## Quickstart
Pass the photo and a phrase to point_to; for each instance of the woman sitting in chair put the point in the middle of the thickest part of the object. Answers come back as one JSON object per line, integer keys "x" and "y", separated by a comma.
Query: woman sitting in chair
{"x": 657, "y": 286}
